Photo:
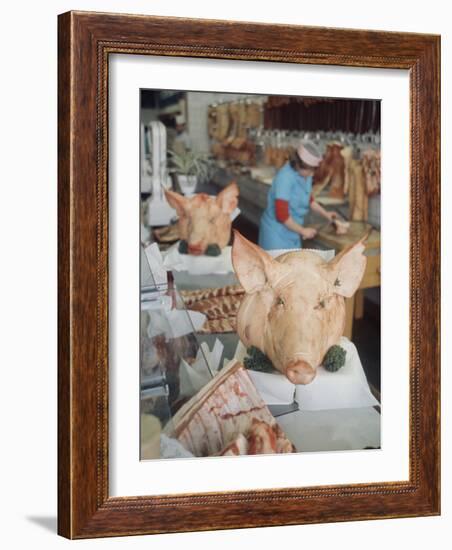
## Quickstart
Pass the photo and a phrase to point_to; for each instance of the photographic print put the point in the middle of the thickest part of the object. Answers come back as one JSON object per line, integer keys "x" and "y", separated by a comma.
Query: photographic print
{"x": 233, "y": 350}
{"x": 260, "y": 274}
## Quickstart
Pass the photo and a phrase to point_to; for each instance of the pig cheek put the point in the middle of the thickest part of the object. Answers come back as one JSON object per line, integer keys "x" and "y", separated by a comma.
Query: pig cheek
{"x": 245, "y": 321}
{"x": 189, "y": 227}
{"x": 252, "y": 321}
{"x": 183, "y": 228}
{"x": 337, "y": 320}
{"x": 198, "y": 231}
{"x": 278, "y": 346}
{"x": 222, "y": 230}
{"x": 334, "y": 319}
{"x": 331, "y": 327}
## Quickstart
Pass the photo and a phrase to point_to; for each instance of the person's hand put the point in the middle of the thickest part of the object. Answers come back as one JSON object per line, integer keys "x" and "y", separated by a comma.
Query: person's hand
{"x": 309, "y": 233}
{"x": 332, "y": 216}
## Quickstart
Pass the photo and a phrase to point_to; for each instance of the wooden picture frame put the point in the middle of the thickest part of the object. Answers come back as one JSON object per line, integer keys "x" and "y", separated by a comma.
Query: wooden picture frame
{"x": 85, "y": 42}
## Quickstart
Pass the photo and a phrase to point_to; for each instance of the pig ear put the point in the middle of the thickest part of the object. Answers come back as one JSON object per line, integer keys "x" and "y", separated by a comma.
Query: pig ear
{"x": 254, "y": 267}
{"x": 347, "y": 269}
{"x": 228, "y": 198}
{"x": 177, "y": 201}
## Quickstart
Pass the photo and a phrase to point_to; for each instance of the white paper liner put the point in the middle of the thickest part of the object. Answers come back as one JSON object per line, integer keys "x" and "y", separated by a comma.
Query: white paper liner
{"x": 195, "y": 376}
{"x": 198, "y": 265}
{"x": 273, "y": 388}
{"x": 345, "y": 389}
{"x": 332, "y": 430}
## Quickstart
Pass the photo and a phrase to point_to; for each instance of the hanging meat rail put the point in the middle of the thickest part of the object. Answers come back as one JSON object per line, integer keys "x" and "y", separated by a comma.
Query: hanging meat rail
{"x": 322, "y": 114}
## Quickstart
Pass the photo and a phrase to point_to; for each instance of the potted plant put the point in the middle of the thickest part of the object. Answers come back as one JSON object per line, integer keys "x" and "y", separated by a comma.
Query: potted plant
{"x": 190, "y": 167}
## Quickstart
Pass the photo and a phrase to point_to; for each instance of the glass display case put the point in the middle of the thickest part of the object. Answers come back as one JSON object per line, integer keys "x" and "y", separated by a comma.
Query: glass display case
{"x": 169, "y": 351}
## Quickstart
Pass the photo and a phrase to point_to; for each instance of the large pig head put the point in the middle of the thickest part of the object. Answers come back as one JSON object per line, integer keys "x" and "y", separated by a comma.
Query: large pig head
{"x": 205, "y": 220}
{"x": 294, "y": 307}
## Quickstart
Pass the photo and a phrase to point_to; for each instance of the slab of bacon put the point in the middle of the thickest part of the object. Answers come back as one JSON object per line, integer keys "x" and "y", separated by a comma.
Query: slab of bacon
{"x": 192, "y": 296}
{"x": 237, "y": 447}
{"x": 261, "y": 438}
{"x": 219, "y": 326}
{"x": 167, "y": 234}
{"x": 228, "y": 417}
{"x": 220, "y": 305}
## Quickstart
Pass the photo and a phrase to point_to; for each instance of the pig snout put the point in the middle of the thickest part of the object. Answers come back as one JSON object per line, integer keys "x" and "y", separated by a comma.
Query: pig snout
{"x": 196, "y": 249}
{"x": 299, "y": 371}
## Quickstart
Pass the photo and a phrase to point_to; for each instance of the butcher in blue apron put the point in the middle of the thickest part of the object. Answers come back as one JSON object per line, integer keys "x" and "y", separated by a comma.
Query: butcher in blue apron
{"x": 289, "y": 200}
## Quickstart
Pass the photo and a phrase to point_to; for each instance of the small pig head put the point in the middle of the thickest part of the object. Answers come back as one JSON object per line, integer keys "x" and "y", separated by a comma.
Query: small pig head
{"x": 205, "y": 220}
{"x": 294, "y": 307}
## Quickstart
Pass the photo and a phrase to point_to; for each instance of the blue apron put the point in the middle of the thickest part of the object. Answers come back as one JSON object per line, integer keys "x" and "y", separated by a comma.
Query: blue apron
{"x": 290, "y": 186}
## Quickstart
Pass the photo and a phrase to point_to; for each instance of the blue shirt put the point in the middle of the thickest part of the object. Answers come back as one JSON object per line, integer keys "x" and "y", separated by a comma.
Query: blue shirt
{"x": 290, "y": 186}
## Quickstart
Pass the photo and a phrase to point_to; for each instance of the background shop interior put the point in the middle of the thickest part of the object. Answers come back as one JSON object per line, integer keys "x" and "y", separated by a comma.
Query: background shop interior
{"x": 208, "y": 139}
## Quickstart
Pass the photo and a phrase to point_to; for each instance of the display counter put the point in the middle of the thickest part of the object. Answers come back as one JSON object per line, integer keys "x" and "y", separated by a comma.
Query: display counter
{"x": 319, "y": 430}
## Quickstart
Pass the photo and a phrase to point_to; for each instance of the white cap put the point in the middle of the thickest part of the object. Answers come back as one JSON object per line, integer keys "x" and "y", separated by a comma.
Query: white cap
{"x": 309, "y": 153}
{"x": 180, "y": 119}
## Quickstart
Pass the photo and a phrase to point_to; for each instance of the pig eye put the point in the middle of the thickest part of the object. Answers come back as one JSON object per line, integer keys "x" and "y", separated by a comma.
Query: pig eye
{"x": 280, "y": 301}
{"x": 320, "y": 305}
